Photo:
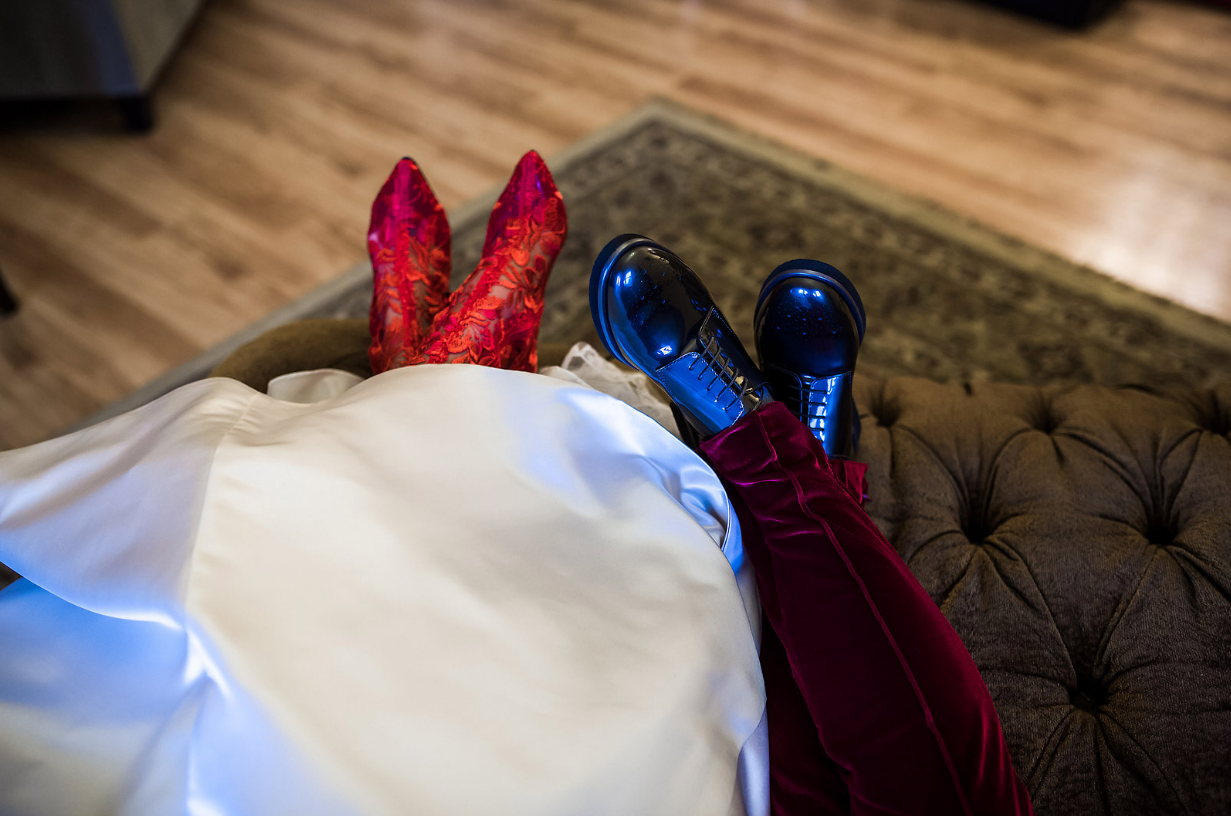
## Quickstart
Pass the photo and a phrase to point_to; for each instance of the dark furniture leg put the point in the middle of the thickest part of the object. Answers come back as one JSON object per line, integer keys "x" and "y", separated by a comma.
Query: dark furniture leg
{"x": 8, "y": 303}
{"x": 1075, "y": 14}
{"x": 138, "y": 112}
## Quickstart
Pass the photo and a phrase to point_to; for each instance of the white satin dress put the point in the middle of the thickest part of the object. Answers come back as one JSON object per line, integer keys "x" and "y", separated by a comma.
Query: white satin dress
{"x": 444, "y": 590}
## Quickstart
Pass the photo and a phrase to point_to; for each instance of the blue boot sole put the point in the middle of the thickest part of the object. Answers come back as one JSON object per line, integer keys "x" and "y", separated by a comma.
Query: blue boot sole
{"x": 598, "y": 280}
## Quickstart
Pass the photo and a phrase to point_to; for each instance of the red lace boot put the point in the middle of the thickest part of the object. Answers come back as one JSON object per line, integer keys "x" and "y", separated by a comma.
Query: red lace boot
{"x": 409, "y": 244}
{"x": 493, "y": 318}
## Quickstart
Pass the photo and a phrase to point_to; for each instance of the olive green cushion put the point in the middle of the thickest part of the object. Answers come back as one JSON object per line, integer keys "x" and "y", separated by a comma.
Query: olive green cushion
{"x": 322, "y": 343}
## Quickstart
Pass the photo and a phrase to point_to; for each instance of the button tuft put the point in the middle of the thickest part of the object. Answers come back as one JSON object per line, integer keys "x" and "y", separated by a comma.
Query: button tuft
{"x": 1088, "y": 696}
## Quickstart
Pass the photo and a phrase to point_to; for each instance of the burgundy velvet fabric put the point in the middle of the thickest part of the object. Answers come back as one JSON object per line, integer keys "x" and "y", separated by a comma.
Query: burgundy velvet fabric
{"x": 803, "y": 779}
{"x": 896, "y": 700}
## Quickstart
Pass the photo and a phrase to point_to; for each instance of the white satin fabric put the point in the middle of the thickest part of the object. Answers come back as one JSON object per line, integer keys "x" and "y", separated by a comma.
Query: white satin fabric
{"x": 446, "y": 590}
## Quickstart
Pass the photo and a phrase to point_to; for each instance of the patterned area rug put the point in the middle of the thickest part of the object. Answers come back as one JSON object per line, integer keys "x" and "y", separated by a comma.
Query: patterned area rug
{"x": 946, "y": 298}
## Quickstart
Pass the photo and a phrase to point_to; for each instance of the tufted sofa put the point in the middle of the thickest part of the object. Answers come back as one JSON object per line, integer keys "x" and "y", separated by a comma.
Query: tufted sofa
{"x": 1079, "y": 540}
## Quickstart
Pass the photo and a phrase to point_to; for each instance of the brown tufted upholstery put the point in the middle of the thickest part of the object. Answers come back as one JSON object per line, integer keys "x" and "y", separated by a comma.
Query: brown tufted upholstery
{"x": 1079, "y": 540}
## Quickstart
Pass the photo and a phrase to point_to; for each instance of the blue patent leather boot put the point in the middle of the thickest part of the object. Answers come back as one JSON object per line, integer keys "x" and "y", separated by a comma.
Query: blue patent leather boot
{"x": 809, "y": 324}
{"x": 654, "y": 313}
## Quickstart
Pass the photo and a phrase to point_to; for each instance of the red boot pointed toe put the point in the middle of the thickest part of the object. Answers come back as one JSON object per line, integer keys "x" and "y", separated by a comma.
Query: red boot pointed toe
{"x": 530, "y": 200}
{"x": 493, "y": 318}
{"x": 409, "y": 243}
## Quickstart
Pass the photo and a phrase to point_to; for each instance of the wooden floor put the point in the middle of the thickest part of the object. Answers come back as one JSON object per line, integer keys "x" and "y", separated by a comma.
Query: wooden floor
{"x": 279, "y": 120}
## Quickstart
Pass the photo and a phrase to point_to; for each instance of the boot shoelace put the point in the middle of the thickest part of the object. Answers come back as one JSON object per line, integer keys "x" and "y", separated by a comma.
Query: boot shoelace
{"x": 814, "y": 400}
{"x": 719, "y": 365}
